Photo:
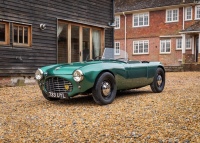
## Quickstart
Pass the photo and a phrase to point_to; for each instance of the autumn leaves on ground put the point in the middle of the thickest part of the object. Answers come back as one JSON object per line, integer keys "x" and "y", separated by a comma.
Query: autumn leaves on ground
{"x": 135, "y": 116}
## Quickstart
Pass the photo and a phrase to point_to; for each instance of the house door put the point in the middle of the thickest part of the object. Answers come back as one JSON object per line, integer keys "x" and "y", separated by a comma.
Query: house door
{"x": 197, "y": 47}
{"x": 78, "y": 42}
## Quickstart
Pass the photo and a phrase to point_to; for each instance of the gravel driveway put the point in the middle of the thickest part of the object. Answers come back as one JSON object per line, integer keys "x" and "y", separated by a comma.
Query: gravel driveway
{"x": 138, "y": 115}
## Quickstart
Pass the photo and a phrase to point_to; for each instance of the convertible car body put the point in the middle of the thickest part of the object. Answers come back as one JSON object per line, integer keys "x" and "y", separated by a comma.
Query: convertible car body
{"x": 102, "y": 77}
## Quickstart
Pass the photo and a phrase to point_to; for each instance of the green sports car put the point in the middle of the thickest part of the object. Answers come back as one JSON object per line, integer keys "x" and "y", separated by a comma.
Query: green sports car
{"x": 102, "y": 76}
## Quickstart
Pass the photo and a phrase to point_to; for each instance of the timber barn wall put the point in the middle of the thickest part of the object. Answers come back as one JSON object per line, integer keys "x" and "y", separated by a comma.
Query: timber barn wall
{"x": 23, "y": 61}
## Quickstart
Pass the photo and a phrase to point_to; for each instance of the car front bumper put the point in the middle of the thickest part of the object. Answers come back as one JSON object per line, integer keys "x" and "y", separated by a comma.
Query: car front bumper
{"x": 53, "y": 85}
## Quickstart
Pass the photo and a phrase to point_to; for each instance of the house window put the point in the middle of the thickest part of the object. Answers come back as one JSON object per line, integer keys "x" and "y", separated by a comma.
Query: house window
{"x": 140, "y": 19}
{"x": 117, "y": 48}
{"x": 179, "y": 43}
{"x": 165, "y": 46}
{"x": 197, "y": 12}
{"x": 21, "y": 35}
{"x": 188, "y": 13}
{"x": 4, "y": 33}
{"x": 117, "y": 22}
{"x": 141, "y": 47}
{"x": 188, "y": 43}
{"x": 172, "y": 15}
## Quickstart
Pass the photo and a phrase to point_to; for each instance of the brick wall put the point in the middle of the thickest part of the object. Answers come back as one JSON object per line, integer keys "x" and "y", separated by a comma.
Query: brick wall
{"x": 158, "y": 27}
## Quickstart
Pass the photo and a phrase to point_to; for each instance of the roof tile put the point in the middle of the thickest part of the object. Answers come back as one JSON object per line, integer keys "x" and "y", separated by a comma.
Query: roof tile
{"x": 130, "y": 5}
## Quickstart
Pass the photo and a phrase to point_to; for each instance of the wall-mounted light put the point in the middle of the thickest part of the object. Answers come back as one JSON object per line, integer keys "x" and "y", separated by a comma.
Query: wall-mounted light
{"x": 111, "y": 24}
{"x": 42, "y": 26}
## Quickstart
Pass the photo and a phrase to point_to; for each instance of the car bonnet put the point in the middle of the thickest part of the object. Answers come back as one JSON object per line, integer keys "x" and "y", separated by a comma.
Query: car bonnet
{"x": 65, "y": 69}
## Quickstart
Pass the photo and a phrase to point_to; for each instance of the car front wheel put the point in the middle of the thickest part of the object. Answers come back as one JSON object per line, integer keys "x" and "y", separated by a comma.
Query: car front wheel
{"x": 158, "y": 83}
{"x": 104, "y": 90}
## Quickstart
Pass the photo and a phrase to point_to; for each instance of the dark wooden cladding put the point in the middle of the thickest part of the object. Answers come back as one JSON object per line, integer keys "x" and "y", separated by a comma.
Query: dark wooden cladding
{"x": 19, "y": 60}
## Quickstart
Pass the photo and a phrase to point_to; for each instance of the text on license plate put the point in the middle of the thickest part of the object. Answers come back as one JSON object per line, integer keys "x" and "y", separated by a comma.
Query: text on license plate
{"x": 57, "y": 95}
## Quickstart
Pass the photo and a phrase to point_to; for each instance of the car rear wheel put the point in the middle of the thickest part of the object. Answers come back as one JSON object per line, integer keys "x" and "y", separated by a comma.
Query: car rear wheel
{"x": 104, "y": 90}
{"x": 158, "y": 83}
{"x": 49, "y": 98}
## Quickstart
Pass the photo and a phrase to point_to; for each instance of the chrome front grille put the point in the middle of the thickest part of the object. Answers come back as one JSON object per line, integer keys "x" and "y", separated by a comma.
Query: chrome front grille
{"x": 57, "y": 85}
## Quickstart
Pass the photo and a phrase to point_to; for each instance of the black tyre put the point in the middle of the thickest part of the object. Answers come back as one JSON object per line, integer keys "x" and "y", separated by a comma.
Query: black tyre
{"x": 104, "y": 90}
{"x": 49, "y": 98}
{"x": 158, "y": 83}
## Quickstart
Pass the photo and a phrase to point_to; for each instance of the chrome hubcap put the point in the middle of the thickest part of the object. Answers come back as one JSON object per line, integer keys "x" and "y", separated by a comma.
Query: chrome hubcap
{"x": 106, "y": 88}
{"x": 159, "y": 80}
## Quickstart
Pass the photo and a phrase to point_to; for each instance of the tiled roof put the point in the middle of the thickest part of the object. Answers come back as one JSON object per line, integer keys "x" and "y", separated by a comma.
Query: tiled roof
{"x": 131, "y": 5}
{"x": 193, "y": 28}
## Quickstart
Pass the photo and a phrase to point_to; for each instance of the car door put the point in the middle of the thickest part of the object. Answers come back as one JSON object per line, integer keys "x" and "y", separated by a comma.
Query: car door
{"x": 137, "y": 74}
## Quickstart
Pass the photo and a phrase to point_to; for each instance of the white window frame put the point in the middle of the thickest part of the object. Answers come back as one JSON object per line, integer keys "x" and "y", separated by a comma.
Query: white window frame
{"x": 138, "y": 43}
{"x": 187, "y": 12}
{"x": 140, "y": 15}
{"x": 188, "y": 40}
{"x": 117, "y": 22}
{"x": 117, "y": 48}
{"x": 179, "y": 44}
{"x": 165, "y": 50}
{"x": 172, "y": 15}
{"x": 197, "y": 12}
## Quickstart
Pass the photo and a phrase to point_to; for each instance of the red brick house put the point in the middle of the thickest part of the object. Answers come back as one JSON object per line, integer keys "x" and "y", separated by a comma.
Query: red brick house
{"x": 159, "y": 30}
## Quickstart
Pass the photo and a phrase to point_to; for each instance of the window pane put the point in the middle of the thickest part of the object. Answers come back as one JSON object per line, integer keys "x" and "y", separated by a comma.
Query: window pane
{"x": 167, "y": 46}
{"x": 189, "y": 13}
{"x": 141, "y": 47}
{"x": 146, "y": 49}
{"x": 169, "y": 15}
{"x": 179, "y": 43}
{"x": 188, "y": 43}
{"x": 198, "y": 12}
{"x": 75, "y": 43}
{"x": 15, "y": 34}
{"x": 141, "y": 19}
{"x": 136, "y": 20}
{"x": 86, "y": 43}
{"x": 162, "y": 46}
{"x": 117, "y": 48}
{"x": 175, "y": 15}
{"x": 96, "y": 43}
{"x": 117, "y": 22}
{"x": 25, "y": 35}
{"x": 2, "y": 33}
{"x": 20, "y": 34}
{"x": 146, "y": 19}
{"x": 135, "y": 47}
{"x": 62, "y": 33}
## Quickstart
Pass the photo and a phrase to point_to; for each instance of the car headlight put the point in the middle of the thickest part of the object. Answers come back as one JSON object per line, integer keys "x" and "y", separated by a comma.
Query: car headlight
{"x": 39, "y": 74}
{"x": 78, "y": 75}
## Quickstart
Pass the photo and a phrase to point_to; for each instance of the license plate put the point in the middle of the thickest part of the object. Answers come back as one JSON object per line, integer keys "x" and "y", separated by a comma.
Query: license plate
{"x": 58, "y": 95}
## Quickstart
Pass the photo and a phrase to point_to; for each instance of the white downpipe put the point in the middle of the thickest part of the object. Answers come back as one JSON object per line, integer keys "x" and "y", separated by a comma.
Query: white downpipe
{"x": 183, "y": 18}
{"x": 125, "y": 32}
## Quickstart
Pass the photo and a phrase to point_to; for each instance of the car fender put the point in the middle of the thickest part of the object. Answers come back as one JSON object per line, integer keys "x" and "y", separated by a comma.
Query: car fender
{"x": 92, "y": 72}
